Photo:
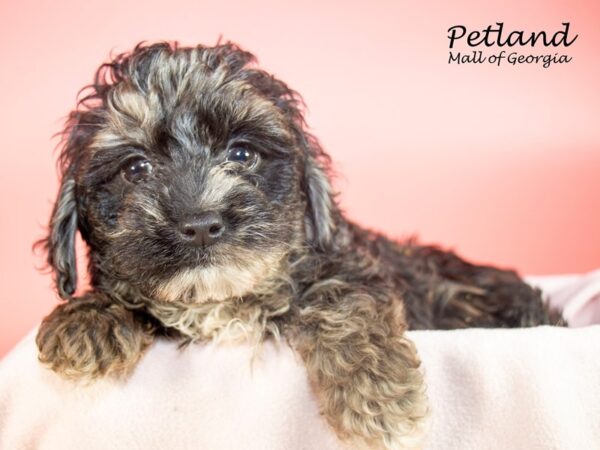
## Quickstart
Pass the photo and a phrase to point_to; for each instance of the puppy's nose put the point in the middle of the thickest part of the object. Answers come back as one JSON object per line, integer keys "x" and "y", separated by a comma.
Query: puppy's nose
{"x": 202, "y": 229}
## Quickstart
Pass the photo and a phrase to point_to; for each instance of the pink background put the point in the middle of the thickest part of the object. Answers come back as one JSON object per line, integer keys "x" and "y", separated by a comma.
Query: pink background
{"x": 501, "y": 164}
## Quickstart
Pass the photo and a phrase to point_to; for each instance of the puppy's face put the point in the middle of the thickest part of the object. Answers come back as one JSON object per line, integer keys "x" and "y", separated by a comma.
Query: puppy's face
{"x": 190, "y": 175}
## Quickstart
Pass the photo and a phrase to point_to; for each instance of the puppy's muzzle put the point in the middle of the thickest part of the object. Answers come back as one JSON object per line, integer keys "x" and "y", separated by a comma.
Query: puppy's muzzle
{"x": 203, "y": 229}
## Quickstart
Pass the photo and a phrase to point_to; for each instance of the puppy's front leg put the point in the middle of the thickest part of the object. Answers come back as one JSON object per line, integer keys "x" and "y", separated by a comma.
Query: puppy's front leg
{"x": 91, "y": 337}
{"x": 364, "y": 370}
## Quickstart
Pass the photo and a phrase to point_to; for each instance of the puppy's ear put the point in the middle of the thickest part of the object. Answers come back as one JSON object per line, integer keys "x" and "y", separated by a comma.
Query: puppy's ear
{"x": 321, "y": 207}
{"x": 320, "y": 223}
{"x": 60, "y": 243}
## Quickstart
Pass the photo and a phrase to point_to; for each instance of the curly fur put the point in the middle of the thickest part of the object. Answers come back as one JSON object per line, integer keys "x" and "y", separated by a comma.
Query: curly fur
{"x": 289, "y": 263}
{"x": 91, "y": 337}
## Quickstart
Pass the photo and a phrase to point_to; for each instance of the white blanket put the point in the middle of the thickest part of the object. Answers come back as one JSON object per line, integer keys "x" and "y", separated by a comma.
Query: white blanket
{"x": 528, "y": 389}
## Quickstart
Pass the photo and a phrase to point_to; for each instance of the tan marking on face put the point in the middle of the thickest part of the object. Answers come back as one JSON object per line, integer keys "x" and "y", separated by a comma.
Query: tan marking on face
{"x": 219, "y": 183}
{"x": 221, "y": 282}
{"x": 133, "y": 105}
{"x": 105, "y": 138}
{"x": 150, "y": 207}
{"x": 130, "y": 117}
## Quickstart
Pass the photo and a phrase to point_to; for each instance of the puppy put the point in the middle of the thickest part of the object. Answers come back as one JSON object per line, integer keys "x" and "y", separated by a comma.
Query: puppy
{"x": 208, "y": 214}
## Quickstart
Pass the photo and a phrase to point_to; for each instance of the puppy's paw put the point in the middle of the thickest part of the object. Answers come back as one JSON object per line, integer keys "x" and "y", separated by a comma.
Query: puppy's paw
{"x": 90, "y": 338}
{"x": 366, "y": 373}
{"x": 395, "y": 413}
{"x": 382, "y": 405}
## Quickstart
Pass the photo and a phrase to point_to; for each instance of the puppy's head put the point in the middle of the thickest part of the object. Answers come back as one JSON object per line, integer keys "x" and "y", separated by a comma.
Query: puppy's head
{"x": 190, "y": 176}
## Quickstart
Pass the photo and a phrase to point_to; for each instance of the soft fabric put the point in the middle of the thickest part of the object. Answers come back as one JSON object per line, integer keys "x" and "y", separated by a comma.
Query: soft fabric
{"x": 577, "y": 296}
{"x": 528, "y": 389}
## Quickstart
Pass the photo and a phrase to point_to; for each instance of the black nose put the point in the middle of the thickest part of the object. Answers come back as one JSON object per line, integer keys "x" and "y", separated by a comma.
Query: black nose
{"x": 202, "y": 229}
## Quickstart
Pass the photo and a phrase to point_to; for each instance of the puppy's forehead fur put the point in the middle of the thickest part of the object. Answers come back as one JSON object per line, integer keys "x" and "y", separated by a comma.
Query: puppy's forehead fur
{"x": 189, "y": 99}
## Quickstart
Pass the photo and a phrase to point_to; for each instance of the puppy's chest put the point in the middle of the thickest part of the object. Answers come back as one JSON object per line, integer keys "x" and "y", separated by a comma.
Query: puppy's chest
{"x": 232, "y": 320}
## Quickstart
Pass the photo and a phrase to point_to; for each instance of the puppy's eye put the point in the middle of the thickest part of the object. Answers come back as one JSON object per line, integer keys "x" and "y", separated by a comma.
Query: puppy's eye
{"x": 243, "y": 156}
{"x": 137, "y": 170}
